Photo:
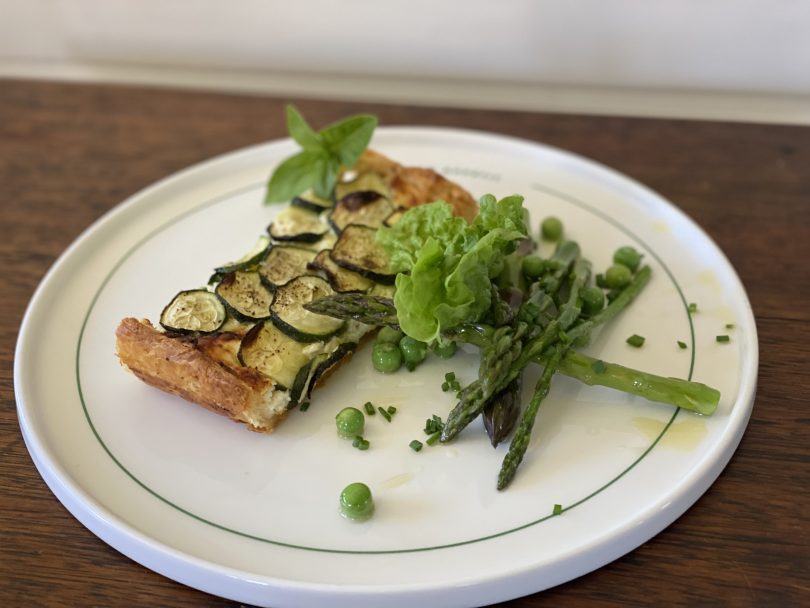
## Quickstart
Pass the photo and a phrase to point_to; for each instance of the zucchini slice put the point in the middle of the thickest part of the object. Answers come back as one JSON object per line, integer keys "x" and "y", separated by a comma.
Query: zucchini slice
{"x": 383, "y": 291}
{"x": 323, "y": 367}
{"x": 356, "y": 249}
{"x": 250, "y": 260}
{"x": 193, "y": 311}
{"x": 395, "y": 216}
{"x": 245, "y": 295}
{"x": 365, "y": 207}
{"x": 268, "y": 349}
{"x": 312, "y": 202}
{"x": 325, "y": 243}
{"x": 290, "y": 316}
{"x": 284, "y": 263}
{"x": 297, "y": 224}
{"x": 364, "y": 182}
{"x": 339, "y": 278}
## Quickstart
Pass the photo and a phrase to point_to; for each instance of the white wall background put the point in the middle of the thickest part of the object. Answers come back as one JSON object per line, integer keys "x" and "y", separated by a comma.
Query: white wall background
{"x": 733, "y": 59}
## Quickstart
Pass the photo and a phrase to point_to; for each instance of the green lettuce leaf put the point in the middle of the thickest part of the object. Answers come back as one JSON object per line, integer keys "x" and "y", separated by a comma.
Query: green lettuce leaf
{"x": 446, "y": 265}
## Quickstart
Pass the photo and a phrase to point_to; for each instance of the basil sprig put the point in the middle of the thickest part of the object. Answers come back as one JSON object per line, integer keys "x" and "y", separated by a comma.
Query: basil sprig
{"x": 317, "y": 165}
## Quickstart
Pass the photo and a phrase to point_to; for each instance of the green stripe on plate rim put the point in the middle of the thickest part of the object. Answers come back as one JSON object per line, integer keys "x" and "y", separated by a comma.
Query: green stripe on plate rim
{"x": 245, "y": 189}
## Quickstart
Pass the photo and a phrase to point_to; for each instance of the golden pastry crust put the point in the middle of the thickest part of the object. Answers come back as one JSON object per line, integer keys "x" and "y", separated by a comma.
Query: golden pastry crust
{"x": 201, "y": 370}
{"x": 206, "y": 369}
{"x": 412, "y": 186}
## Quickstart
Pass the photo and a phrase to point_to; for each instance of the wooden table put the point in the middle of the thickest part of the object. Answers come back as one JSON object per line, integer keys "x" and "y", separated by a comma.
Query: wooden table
{"x": 68, "y": 153}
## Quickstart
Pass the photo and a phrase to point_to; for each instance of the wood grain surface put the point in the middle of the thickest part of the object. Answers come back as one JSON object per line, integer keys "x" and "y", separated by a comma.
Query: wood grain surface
{"x": 68, "y": 153}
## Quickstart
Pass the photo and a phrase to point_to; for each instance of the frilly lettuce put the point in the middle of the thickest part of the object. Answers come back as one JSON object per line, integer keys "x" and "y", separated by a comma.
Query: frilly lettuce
{"x": 446, "y": 265}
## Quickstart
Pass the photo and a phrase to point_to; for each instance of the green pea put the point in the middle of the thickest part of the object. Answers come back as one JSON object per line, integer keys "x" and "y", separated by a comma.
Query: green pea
{"x": 389, "y": 334}
{"x": 386, "y": 357}
{"x": 413, "y": 351}
{"x": 356, "y": 502}
{"x": 350, "y": 422}
{"x": 444, "y": 350}
{"x": 618, "y": 275}
{"x": 532, "y": 266}
{"x": 627, "y": 256}
{"x": 593, "y": 300}
{"x": 551, "y": 229}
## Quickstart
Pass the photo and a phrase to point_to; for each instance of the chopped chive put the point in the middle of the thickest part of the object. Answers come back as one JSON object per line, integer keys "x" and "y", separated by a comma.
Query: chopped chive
{"x": 681, "y": 344}
{"x": 360, "y": 443}
{"x": 433, "y": 424}
{"x": 433, "y": 438}
{"x": 723, "y": 339}
{"x": 692, "y": 308}
{"x": 415, "y": 445}
{"x": 392, "y": 410}
{"x": 730, "y": 325}
{"x": 445, "y": 387}
{"x": 556, "y": 510}
{"x": 450, "y": 376}
{"x": 369, "y": 407}
{"x": 304, "y": 406}
{"x": 384, "y": 414}
{"x": 635, "y": 340}
{"x": 599, "y": 366}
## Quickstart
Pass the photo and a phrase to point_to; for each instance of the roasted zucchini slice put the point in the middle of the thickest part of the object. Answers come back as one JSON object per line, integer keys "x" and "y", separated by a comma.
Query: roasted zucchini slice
{"x": 250, "y": 260}
{"x": 290, "y": 316}
{"x": 365, "y": 207}
{"x": 321, "y": 368}
{"x": 365, "y": 182}
{"x": 193, "y": 311}
{"x": 356, "y": 249}
{"x": 245, "y": 295}
{"x": 268, "y": 349}
{"x": 395, "y": 216}
{"x": 312, "y": 202}
{"x": 284, "y": 263}
{"x": 297, "y": 224}
{"x": 327, "y": 242}
{"x": 341, "y": 279}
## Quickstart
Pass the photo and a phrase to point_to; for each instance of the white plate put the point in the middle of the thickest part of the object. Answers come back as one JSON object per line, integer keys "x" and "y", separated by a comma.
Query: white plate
{"x": 254, "y": 518}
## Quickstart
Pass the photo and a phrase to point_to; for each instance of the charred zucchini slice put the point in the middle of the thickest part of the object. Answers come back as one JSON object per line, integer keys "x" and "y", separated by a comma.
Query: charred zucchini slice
{"x": 297, "y": 224}
{"x": 395, "y": 216}
{"x": 321, "y": 368}
{"x": 311, "y": 202}
{"x": 284, "y": 263}
{"x": 365, "y": 207}
{"x": 268, "y": 349}
{"x": 290, "y": 316}
{"x": 250, "y": 260}
{"x": 193, "y": 311}
{"x": 325, "y": 243}
{"x": 364, "y": 182}
{"x": 357, "y": 250}
{"x": 339, "y": 278}
{"x": 245, "y": 295}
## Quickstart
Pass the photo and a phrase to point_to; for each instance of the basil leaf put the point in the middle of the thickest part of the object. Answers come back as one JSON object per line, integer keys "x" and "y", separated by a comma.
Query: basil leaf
{"x": 301, "y": 132}
{"x": 325, "y": 182}
{"x": 347, "y": 139}
{"x": 295, "y": 175}
{"x": 318, "y": 165}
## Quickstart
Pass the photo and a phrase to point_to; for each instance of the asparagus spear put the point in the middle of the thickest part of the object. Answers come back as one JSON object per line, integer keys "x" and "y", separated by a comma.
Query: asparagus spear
{"x": 371, "y": 310}
{"x": 501, "y": 412}
{"x": 689, "y": 395}
{"x": 520, "y": 442}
